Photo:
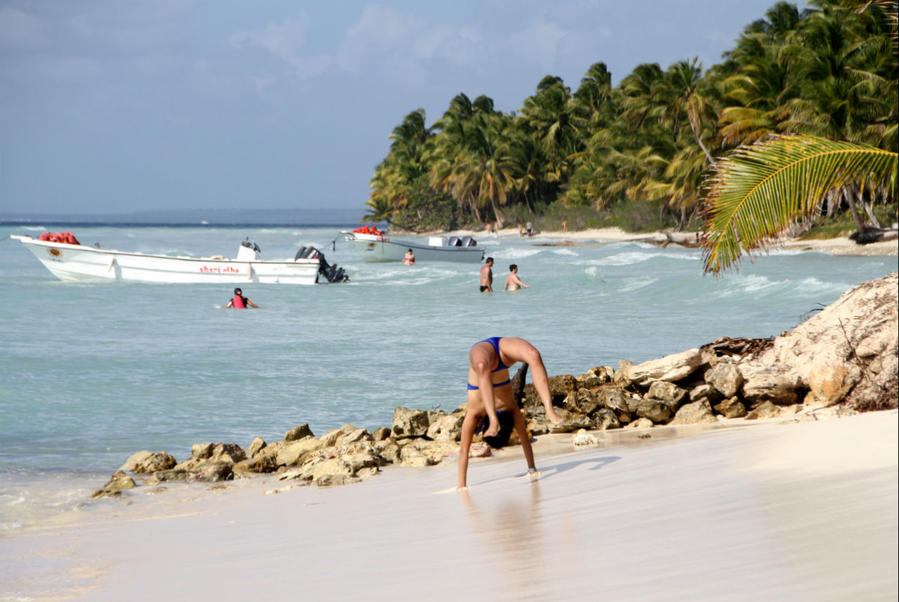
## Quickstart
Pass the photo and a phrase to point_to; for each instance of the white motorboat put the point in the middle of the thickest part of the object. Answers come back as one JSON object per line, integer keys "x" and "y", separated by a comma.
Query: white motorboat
{"x": 68, "y": 260}
{"x": 374, "y": 245}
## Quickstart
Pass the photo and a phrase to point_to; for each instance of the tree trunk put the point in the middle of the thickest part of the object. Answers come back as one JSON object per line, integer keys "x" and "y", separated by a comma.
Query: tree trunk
{"x": 708, "y": 155}
{"x": 850, "y": 198}
{"x": 496, "y": 215}
{"x": 869, "y": 209}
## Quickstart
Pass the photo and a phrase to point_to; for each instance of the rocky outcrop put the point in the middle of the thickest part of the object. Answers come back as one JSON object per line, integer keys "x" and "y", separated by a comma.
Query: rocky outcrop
{"x": 410, "y": 423}
{"x": 144, "y": 462}
{"x": 845, "y": 356}
{"x": 845, "y": 353}
{"x": 116, "y": 484}
{"x": 671, "y": 368}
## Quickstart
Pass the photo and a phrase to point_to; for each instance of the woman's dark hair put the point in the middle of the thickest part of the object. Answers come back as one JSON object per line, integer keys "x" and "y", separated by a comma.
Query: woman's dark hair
{"x": 237, "y": 291}
{"x": 513, "y": 267}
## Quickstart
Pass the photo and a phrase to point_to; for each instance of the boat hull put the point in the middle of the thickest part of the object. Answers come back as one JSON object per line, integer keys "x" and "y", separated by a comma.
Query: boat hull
{"x": 374, "y": 249}
{"x": 79, "y": 262}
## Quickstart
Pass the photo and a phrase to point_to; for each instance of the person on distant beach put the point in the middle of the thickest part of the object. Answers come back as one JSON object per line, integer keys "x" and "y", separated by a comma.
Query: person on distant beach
{"x": 520, "y": 230}
{"x": 409, "y": 257}
{"x": 238, "y": 301}
{"x": 529, "y": 229}
{"x": 513, "y": 282}
{"x": 490, "y": 392}
{"x": 487, "y": 276}
{"x": 564, "y": 226}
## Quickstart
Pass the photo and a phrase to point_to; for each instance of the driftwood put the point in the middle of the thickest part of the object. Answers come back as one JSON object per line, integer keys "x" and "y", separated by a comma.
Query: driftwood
{"x": 739, "y": 346}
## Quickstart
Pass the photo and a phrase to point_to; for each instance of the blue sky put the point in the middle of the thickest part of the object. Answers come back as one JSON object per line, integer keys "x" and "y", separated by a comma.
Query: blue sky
{"x": 114, "y": 107}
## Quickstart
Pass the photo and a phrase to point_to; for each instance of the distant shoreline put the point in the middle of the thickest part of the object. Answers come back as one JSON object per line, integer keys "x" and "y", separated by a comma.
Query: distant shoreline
{"x": 126, "y": 224}
{"x": 835, "y": 246}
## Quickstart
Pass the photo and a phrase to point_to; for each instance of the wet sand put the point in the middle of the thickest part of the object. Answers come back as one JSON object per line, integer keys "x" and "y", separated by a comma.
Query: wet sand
{"x": 777, "y": 510}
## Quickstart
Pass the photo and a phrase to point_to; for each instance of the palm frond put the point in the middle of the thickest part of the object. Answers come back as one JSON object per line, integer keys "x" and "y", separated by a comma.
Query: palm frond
{"x": 759, "y": 190}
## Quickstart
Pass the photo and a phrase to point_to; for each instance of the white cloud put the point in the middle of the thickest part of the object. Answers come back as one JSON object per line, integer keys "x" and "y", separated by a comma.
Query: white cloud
{"x": 539, "y": 44}
{"x": 381, "y": 34}
{"x": 19, "y": 29}
{"x": 287, "y": 41}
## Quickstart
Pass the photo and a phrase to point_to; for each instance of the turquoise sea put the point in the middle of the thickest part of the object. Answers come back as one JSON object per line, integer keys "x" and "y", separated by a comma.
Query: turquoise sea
{"x": 90, "y": 373}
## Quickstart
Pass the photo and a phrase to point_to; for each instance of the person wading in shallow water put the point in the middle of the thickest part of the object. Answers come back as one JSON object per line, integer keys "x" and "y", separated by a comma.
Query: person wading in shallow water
{"x": 238, "y": 301}
{"x": 513, "y": 282}
{"x": 487, "y": 276}
{"x": 490, "y": 391}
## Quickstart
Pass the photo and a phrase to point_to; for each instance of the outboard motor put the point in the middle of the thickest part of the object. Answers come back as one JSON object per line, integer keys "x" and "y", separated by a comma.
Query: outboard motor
{"x": 469, "y": 242}
{"x": 454, "y": 241}
{"x": 332, "y": 273}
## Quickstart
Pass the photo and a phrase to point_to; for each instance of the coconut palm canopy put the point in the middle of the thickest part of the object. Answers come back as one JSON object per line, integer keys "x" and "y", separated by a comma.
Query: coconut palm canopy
{"x": 759, "y": 190}
{"x": 647, "y": 143}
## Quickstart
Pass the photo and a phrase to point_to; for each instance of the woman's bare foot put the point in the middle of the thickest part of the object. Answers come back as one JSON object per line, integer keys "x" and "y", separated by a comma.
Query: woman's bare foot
{"x": 553, "y": 417}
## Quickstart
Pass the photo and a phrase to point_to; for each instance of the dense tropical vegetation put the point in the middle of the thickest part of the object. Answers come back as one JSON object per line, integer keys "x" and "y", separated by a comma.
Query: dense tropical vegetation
{"x": 643, "y": 150}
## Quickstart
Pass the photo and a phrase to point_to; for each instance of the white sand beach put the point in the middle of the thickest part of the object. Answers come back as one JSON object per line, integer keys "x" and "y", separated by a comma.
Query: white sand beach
{"x": 834, "y": 246}
{"x": 782, "y": 510}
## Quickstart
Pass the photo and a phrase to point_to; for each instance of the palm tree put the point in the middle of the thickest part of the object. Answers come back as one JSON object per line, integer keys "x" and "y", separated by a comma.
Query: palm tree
{"x": 759, "y": 190}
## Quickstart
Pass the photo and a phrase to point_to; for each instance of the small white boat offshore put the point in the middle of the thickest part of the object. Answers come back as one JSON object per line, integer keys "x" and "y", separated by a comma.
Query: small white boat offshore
{"x": 374, "y": 245}
{"x": 67, "y": 259}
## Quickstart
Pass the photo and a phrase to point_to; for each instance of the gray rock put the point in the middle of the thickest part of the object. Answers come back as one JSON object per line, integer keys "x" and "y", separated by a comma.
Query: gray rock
{"x": 295, "y": 453}
{"x": 621, "y": 377}
{"x": 212, "y": 471}
{"x": 356, "y": 436}
{"x": 704, "y": 391}
{"x": 116, "y": 484}
{"x": 328, "y": 472}
{"x": 361, "y": 458}
{"x": 201, "y": 451}
{"x": 697, "y": 412}
{"x": 847, "y": 352}
{"x": 298, "y": 432}
{"x": 447, "y": 427}
{"x": 175, "y": 474}
{"x": 764, "y": 410}
{"x": 412, "y": 456}
{"x": 667, "y": 393}
{"x": 229, "y": 453}
{"x": 606, "y": 419}
{"x": 258, "y": 464}
{"x": 731, "y": 408}
{"x": 409, "y": 423}
{"x": 381, "y": 433}
{"x": 388, "y": 450}
{"x": 614, "y": 399}
{"x": 725, "y": 378}
{"x": 561, "y": 385}
{"x": 572, "y": 423}
{"x": 640, "y": 423}
{"x": 671, "y": 368}
{"x": 603, "y": 374}
{"x": 333, "y": 437}
{"x": 656, "y": 411}
{"x": 584, "y": 439}
{"x": 770, "y": 383}
{"x": 144, "y": 462}
{"x": 256, "y": 445}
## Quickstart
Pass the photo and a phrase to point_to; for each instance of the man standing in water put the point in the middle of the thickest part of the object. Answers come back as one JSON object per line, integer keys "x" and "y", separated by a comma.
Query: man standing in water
{"x": 490, "y": 390}
{"x": 487, "y": 276}
{"x": 513, "y": 282}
